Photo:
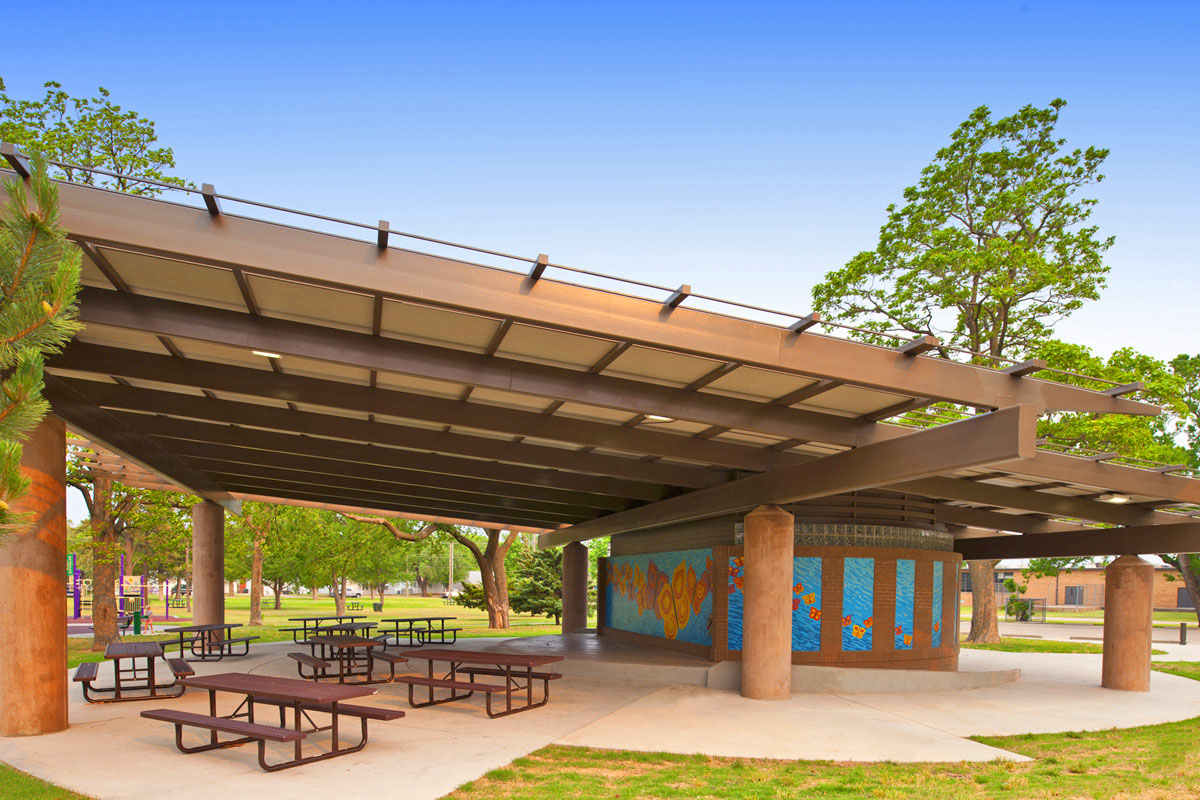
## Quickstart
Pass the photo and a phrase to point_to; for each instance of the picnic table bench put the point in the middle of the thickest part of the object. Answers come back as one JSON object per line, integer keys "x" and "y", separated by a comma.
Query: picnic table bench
{"x": 301, "y": 697}
{"x": 517, "y": 669}
{"x": 213, "y": 641}
{"x": 134, "y": 682}
{"x": 419, "y": 631}
{"x": 347, "y": 657}
{"x": 309, "y": 625}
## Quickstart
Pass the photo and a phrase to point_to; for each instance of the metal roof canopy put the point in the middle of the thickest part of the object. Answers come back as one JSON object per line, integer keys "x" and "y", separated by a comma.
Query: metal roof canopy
{"x": 232, "y": 356}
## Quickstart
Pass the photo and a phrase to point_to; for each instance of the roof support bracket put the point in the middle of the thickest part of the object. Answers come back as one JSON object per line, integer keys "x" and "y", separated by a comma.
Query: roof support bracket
{"x": 678, "y": 296}
{"x": 921, "y": 344}
{"x": 1128, "y": 388}
{"x": 17, "y": 160}
{"x": 382, "y": 234}
{"x": 539, "y": 266}
{"x": 804, "y": 323}
{"x": 210, "y": 199}
{"x": 1025, "y": 368}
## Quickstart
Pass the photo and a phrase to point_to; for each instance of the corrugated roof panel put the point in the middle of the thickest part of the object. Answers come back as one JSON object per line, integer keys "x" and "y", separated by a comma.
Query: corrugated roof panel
{"x": 598, "y": 413}
{"x": 757, "y": 384}
{"x": 412, "y": 383}
{"x": 91, "y": 275}
{"x": 121, "y": 337}
{"x": 660, "y": 366}
{"x": 495, "y": 397}
{"x": 437, "y": 326}
{"x": 317, "y": 305}
{"x": 176, "y": 280}
{"x": 854, "y": 400}
{"x": 553, "y": 347}
{"x": 295, "y": 365}
{"x": 221, "y": 353}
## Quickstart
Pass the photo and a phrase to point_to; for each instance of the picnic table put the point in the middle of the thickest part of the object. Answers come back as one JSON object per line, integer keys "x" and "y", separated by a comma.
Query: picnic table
{"x": 419, "y": 631}
{"x": 351, "y": 655}
{"x": 315, "y": 623}
{"x": 213, "y": 640}
{"x": 134, "y": 682}
{"x": 517, "y": 669}
{"x": 303, "y": 698}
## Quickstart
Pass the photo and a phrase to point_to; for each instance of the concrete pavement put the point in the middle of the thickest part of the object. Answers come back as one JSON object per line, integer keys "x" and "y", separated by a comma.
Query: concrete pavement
{"x": 109, "y": 752}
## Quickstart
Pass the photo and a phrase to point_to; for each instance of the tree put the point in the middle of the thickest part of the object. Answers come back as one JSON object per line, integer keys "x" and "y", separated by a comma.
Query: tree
{"x": 1174, "y": 386}
{"x": 115, "y": 511}
{"x": 537, "y": 584}
{"x": 39, "y": 281}
{"x": 88, "y": 132}
{"x": 255, "y": 527}
{"x": 990, "y": 250}
{"x": 493, "y": 570}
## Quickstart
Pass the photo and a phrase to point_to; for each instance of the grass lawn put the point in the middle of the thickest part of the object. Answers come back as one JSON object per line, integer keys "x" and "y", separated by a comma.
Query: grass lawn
{"x": 1156, "y": 761}
{"x": 1012, "y": 644}
{"x": 237, "y": 609}
{"x": 15, "y": 784}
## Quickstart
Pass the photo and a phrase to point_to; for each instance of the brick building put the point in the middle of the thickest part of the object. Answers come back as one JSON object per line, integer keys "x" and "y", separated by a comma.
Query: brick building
{"x": 1082, "y": 588}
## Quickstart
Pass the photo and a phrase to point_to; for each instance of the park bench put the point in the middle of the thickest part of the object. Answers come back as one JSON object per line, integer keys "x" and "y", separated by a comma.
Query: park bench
{"x": 318, "y": 666}
{"x": 361, "y": 712}
{"x": 180, "y": 667}
{"x": 87, "y": 672}
{"x": 457, "y": 689}
{"x": 537, "y": 676}
{"x": 427, "y": 635}
{"x": 354, "y": 605}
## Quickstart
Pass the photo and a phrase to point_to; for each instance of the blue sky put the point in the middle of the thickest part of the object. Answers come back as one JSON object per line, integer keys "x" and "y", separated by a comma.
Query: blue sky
{"x": 744, "y": 148}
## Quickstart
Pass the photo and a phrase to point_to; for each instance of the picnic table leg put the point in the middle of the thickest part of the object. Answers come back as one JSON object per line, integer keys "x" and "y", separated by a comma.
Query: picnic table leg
{"x": 508, "y": 686}
{"x": 117, "y": 678}
{"x": 333, "y": 708}
{"x": 212, "y": 711}
{"x": 296, "y": 706}
{"x": 150, "y": 676}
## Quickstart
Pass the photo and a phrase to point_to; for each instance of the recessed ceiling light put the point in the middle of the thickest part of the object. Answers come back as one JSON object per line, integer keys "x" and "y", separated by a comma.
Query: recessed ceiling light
{"x": 658, "y": 418}
{"x": 265, "y": 354}
{"x": 1115, "y": 498}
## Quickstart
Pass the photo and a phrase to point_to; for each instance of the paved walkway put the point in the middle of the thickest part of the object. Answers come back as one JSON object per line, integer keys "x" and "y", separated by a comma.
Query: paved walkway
{"x": 111, "y": 753}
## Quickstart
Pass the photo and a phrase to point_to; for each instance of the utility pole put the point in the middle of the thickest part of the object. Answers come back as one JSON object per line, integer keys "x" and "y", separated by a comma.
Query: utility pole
{"x": 450, "y": 576}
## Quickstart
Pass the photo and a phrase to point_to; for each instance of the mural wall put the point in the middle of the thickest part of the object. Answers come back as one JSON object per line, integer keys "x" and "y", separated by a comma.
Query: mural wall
{"x": 668, "y": 595}
{"x": 858, "y": 603}
{"x": 937, "y": 604}
{"x": 906, "y": 592}
{"x": 806, "y": 603}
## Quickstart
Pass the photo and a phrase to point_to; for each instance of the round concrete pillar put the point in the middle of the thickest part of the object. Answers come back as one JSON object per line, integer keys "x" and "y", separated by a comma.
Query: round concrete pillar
{"x": 1128, "y": 624}
{"x": 208, "y": 563}
{"x": 767, "y": 610}
{"x": 33, "y": 590}
{"x": 574, "y": 586}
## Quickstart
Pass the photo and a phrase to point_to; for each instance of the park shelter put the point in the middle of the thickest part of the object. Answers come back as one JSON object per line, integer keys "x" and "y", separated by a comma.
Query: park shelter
{"x": 766, "y": 501}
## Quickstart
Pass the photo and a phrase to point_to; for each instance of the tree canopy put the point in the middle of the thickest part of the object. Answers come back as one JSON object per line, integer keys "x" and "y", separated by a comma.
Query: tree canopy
{"x": 991, "y": 247}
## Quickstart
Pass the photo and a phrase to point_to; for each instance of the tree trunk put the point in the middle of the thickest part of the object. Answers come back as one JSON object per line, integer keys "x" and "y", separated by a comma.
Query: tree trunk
{"x": 278, "y": 587}
{"x": 104, "y": 566}
{"x": 339, "y": 595}
{"x": 984, "y": 628}
{"x": 493, "y": 572}
{"x": 314, "y": 591}
{"x": 256, "y": 581}
{"x": 422, "y": 583}
{"x": 1183, "y": 563}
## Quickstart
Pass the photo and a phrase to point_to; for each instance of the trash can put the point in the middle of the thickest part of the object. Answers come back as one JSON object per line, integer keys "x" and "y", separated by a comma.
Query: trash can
{"x": 137, "y": 623}
{"x": 377, "y": 606}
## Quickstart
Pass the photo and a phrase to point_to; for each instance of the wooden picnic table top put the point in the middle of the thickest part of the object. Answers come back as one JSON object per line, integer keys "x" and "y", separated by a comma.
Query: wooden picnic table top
{"x": 133, "y": 650}
{"x": 482, "y": 657}
{"x": 290, "y": 689}
{"x": 340, "y": 640}
{"x": 327, "y": 616}
{"x": 347, "y": 627}
{"x": 413, "y": 619}
{"x": 215, "y": 626}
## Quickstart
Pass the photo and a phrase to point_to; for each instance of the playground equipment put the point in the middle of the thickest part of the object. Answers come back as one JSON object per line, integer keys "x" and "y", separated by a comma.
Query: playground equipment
{"x": 132, "y": 593}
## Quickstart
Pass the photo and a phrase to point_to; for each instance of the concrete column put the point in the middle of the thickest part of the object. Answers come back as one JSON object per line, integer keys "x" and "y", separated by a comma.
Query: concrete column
{"x": 1128, "y": 624}
{"x": 574, "y": 586}
{"x": 33, "y": 590}
{"x": 767, "y": 610}
{"x": 208, "y": 563}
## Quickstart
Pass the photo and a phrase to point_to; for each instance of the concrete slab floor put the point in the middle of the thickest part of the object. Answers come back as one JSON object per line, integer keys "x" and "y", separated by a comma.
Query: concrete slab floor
{"x": 111, "y": 753}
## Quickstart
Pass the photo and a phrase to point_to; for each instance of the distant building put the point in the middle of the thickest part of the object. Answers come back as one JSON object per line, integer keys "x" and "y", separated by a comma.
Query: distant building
{"x": 1082, "y": 588}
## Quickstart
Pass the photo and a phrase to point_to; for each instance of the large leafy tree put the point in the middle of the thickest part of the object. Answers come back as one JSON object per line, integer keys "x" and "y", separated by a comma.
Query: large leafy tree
{"x": 89, "y": 132}
{"x": 991, "y": 248}
{"x": 39, "y": 280}
{"x": 1170, "y": 437}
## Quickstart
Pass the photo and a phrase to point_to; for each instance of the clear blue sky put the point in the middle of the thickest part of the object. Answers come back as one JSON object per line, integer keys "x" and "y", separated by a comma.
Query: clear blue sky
{"x": 744, "y": 148}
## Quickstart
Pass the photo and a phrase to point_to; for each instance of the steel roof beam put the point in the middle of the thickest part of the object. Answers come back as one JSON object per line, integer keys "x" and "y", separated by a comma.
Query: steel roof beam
{"x": 1182, "y": 537}
{"x": 999, "y": 436}
{"x": 176, "y": 230}
{"x": 92, "y": 421}
{"x": 236, "y": 329}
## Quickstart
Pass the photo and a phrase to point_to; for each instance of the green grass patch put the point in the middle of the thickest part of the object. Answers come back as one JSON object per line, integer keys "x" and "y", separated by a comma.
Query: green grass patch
{"x": 1156, "y": 761}
{"x": 1184, "y": 669}
{"x": 1012, "y": 644}
{"x": 16, "y": 784}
